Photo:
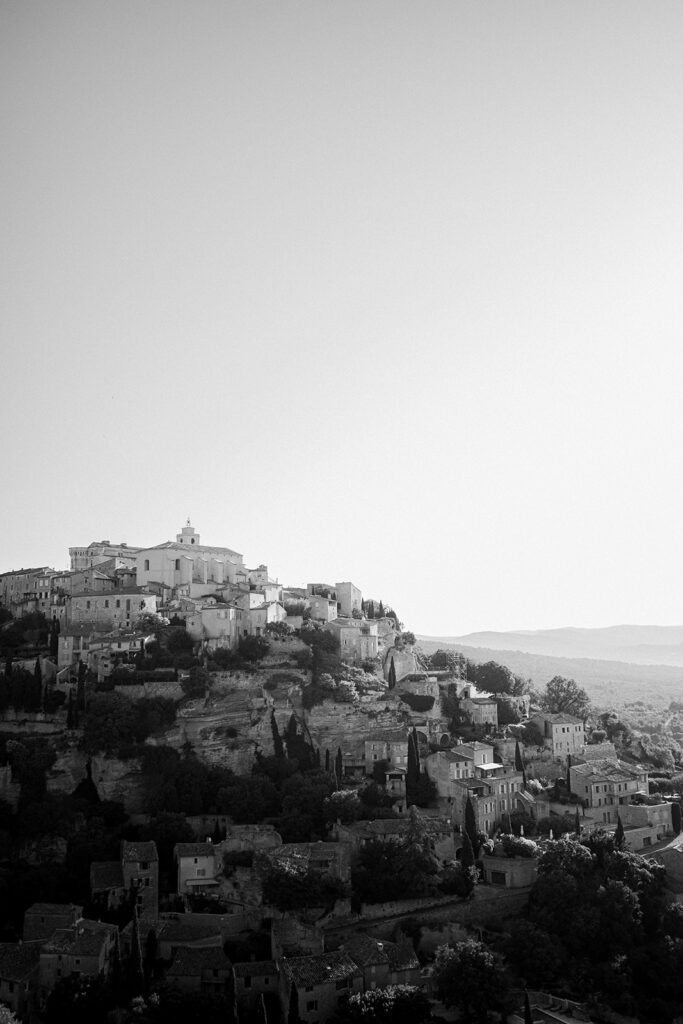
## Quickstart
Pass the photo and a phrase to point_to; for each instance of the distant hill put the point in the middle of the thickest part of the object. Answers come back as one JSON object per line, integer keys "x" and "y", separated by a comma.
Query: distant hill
{"x": 637, "y": 645}
{"x": 609, "y": 682}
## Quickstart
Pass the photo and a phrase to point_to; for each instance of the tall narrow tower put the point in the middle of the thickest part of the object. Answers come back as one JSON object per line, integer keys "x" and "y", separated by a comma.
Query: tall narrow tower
{"x": 187, "y": 535}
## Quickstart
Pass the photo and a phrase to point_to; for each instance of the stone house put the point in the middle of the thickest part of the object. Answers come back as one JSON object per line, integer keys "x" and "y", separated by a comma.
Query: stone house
{"x": 357, "y": 639}
{"x": 446, "y": 768}
{"x": 392, "y": 748}
{"x": 319, "y": 984}
{"x": 253, "y": 980}
{"x": 176, "y": 931}
{"x": 41, "y": 920}
{"x": 19, "y": 971}
{"x": 137, "y": 871}
{"x": 117, "y": 609}
{"x": 607, "y": 786}
{"x": 349, "y": 597}
{"x": 383, "y": 963}
{"x": 481, "y": 711}
{"x": 494, "y": 790}
{"x": 323, "y": 609}
{"x": 563, "y": 734}
{"x": 201, "y": 969}
{"x": 196, "y": 863}
{"x": 140, "y": 867}
{"x": 18, "y": 587}
{"x": 88, "y": 948}
{"x": 102, "y": 551}
{"x": 214, "y": 623}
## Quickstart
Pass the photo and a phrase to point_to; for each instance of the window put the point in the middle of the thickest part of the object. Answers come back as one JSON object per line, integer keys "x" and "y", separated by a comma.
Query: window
{"x": 106, "y": 604}
{"x": 144, "y": 865}
{"x": 309, "y": 988}
{"x": 344, "y": 983}
{"x": 201, "y": 872}
{"x": 147, "y": 564}
{"x": 118, "y": 604}
{"x": 177, "y": 564}
{"x": 247, "y": 982}
{"x": 312, "y": 1004}
{"x": 497, "y": 878}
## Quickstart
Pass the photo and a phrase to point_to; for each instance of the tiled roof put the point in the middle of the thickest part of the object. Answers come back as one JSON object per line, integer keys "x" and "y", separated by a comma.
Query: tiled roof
{"x": 364, "y": 950}
{"x": 561, "y": 718}
{"x": 86, "y": 938}
{"x": 319, "y": 969}
{"x": 53, "y": 908}
{"x": 176, "y": 545}
{"x": 609, "y": 768}
{"x": 255, "y": 968}
{"x": 138, "y": 851}
{"x": 17, "y": 959}
{"x": 402, "y": 956}
{"x": 449, "y": 755}
{"x": 194, "y": 850}
{"x": 189, "y": 962}
{"x": 177, "y": 930}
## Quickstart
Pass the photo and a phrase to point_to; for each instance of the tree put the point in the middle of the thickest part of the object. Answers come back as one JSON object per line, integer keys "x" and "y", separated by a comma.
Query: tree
{"x": 471, "y": 826}
{"x": 136, "y": 973}
{"x": 394, "y": 1004}
{"x": 392, "y": 674}
{"x": 380, "y": 613}
{"x": 619, "y": 834}
{"x": 565, "y": 696}
{"x": 676, "y": 818}
{"x": 472, "y": 978}
{"x": 253, "y": 648}
{"x": 519, "y": 760}
{"x": 278, "y": 747}
{"x": 196, "y": 683}
{"x": 467, "y": 855}
{"x": 339, "y": 767}
{"x": 412, "y": 768}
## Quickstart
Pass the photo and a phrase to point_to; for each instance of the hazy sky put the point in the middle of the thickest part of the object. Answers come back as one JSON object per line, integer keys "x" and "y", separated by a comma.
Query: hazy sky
{"x": 374, "y": 290}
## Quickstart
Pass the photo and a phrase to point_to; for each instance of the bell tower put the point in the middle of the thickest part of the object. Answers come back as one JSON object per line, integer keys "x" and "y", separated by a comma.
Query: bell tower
{"x": 187, "y": 535}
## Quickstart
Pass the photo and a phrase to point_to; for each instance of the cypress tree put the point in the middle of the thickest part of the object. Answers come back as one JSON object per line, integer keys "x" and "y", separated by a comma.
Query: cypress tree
{"x": 339, "y": 767}
{"x": 151, "y": 955}
{"x": 327, "y": 759}
{"x": 38, "y": 672}
{"x": 392, "y": 674}
{"x": 417, "y": 749}
{"x": 54, "y": 639}
{"x": 293, "y": 1010}
{"x": 412, "y": 769}
{"x": 528, "y": 1016}
{"x": 471, "y": 826}
{"x": 217, "y": 834}
{"x": 676, "y": 818}
{"x": 569, "y": 777}
{"x": 467, "y": 855}
{"x": 619, "y": 834}
{"x": 278, "y": 748}
{"x": 381, "y": 611}
{"x": 8, "y": 665}
{"x": 136, "y": 972}
{"x": 577, "y": 822}
{"x": 362, "y": 605}
{"x": 519, "y": 763}
{"x": 371, "y": 609}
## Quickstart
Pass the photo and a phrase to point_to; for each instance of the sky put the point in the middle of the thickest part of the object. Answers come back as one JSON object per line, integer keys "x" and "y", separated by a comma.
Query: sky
{"x": 379, "y": 291}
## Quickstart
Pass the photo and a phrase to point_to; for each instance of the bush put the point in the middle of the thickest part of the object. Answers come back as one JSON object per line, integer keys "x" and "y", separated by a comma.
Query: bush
{"x": 518, "y": 846}
{"x": 253, "y": 648}
{"x": 418, "y": 701}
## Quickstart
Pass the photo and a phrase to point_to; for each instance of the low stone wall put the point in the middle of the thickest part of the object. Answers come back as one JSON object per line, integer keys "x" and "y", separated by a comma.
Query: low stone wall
{"x": 489, "y": 907}
{"x": 170, "y": 689}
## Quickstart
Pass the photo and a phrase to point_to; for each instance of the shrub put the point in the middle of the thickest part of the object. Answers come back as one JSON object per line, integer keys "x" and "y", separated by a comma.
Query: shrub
{"x": 253, "y": 648}
{"x": 518, "y": 846}
{"x": 418, "y": 701}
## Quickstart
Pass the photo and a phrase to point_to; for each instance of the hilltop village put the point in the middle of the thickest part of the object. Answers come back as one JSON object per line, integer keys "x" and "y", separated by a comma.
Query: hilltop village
{"x": 227, "y": 799}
